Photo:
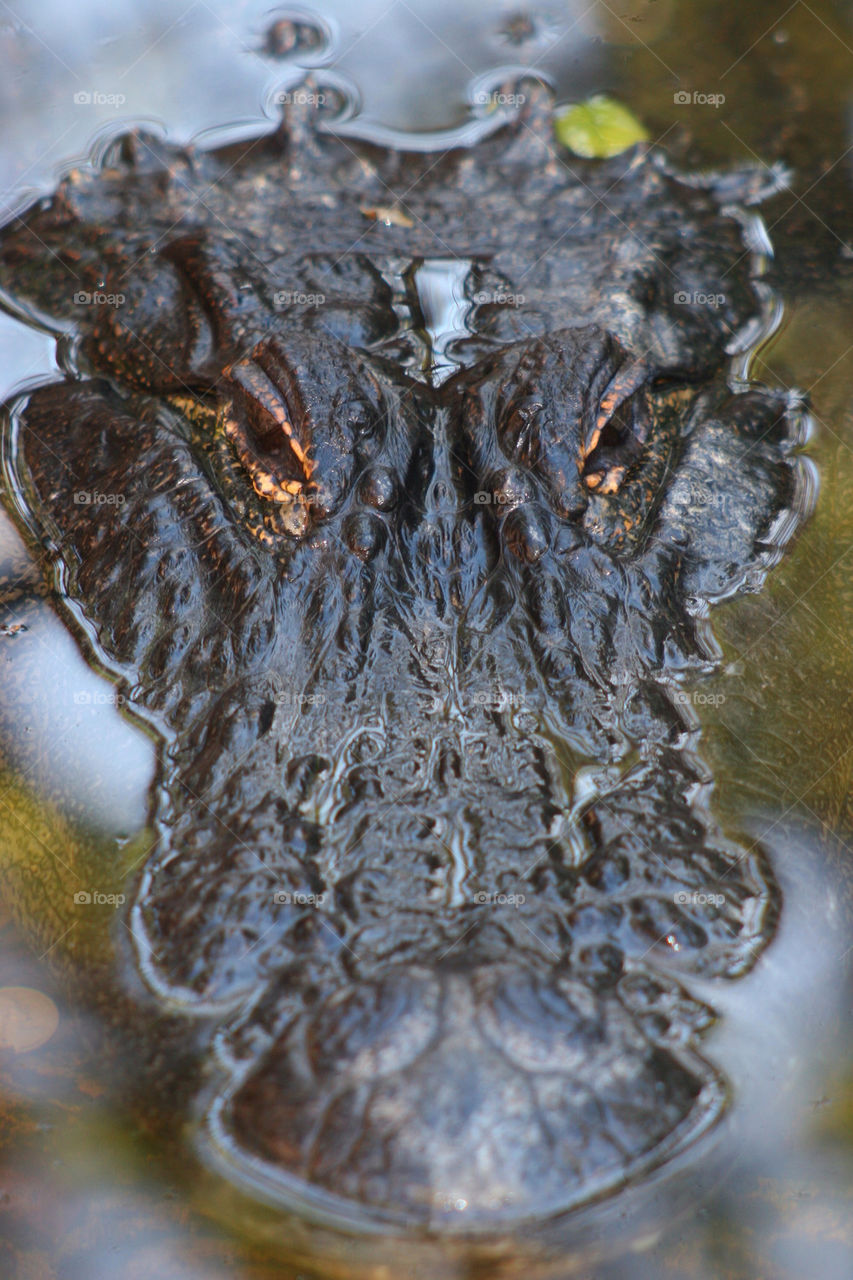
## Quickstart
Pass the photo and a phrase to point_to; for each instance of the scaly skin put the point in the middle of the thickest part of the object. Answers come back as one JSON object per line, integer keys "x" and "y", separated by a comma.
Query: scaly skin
{"x": 383, "y": 612}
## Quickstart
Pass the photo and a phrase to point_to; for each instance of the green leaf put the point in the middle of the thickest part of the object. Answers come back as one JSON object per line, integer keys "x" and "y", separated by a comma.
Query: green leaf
{"x": 598, "y": 128}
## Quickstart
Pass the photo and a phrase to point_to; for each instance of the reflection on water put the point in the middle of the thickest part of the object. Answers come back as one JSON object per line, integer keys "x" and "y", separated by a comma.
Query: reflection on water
{"x": 63, "y": 731}
{"x": 440, "y": 285}
{"x": 83, "y": 1192}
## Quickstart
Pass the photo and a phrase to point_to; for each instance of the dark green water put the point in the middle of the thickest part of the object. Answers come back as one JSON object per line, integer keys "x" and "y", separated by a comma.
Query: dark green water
{"x": 87, "y": 1191}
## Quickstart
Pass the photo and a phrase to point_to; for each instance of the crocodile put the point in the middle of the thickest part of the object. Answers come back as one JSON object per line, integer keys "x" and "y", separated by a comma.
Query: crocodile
{"x": 393, "y": 486}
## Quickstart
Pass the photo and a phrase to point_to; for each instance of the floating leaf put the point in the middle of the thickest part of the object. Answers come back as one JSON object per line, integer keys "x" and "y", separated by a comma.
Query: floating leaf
{"x": 598, "y": 128}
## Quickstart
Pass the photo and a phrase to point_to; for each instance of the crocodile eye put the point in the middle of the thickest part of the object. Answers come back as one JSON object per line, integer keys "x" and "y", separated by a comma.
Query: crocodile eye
{"x": 268, "y": 414}
{"x": 298, "y": 414}
{"x": 265, "y": 432}
{"x": 618, "y": 446}
{"x": 569, "y": 410}
{"x": 616, "y": 440}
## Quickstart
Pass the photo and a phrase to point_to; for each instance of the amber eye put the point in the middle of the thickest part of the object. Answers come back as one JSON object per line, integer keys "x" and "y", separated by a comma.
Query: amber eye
{"x": 260, "y": 424}
{"x": 617, "y": 447}
{"x": 620, "y": 429}
{"x": 266, "y": 426}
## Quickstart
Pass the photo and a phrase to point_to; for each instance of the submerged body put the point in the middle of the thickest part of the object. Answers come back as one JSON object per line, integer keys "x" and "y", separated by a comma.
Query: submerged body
{"x": 423, "y": 472}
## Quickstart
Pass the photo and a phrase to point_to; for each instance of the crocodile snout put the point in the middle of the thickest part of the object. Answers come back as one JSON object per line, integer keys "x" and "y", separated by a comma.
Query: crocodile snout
{"x": 460, "y": 1098}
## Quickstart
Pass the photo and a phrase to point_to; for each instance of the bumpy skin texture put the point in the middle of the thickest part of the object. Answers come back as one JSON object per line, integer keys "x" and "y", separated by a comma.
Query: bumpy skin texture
{"x": 431, "y": 817}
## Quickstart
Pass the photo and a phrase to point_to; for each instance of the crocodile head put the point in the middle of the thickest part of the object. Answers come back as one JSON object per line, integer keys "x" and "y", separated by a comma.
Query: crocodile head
{"x": 404, "y": 571}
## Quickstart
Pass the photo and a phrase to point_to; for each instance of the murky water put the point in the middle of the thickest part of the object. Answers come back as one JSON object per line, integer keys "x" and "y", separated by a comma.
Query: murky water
{"x": 86, "y": 1191}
